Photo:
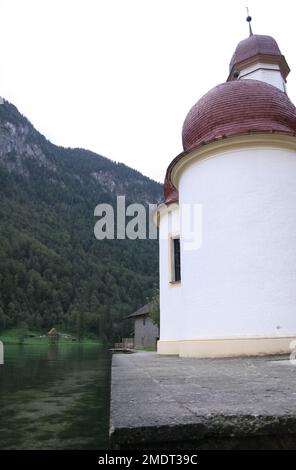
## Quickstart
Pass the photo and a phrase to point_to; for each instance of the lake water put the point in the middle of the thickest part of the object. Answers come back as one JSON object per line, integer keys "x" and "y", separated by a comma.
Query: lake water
{"x": 55, "y": 397}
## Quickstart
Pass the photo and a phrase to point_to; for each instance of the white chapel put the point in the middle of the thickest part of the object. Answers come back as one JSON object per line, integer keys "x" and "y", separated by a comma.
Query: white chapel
{"x": 233, "y": 292}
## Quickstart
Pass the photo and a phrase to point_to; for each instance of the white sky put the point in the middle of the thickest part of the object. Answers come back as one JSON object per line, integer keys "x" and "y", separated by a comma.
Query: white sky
{"x": 119, "y": 76}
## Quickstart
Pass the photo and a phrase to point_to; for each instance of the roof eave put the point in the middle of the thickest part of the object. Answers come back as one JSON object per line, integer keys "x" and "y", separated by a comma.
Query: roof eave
{"x": 265, "y": 58}
{"x": 221, "y": 139}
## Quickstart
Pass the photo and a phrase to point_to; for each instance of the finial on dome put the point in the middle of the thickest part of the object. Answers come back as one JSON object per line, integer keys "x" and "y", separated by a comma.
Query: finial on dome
{"x": 249, "y": 19}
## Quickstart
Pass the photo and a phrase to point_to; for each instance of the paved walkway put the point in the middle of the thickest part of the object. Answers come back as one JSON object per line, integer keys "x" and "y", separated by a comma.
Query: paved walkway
{"x": 171, "y": 402}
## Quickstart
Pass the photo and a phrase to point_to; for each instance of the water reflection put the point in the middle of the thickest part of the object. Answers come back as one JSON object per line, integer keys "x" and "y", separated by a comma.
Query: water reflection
{"x": 54, "y": 397}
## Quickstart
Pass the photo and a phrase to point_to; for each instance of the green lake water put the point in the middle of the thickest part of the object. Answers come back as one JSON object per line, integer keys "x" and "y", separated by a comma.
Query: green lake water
{"x": 55, "y": 396}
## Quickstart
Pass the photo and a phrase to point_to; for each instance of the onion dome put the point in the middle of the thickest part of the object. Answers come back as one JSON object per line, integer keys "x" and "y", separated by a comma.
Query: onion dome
{"x": 257, "y": 48}
{"x": 238, "y": 107}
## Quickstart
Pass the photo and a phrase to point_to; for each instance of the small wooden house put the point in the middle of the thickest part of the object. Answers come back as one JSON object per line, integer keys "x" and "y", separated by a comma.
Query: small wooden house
{"x": 146, "y": 332}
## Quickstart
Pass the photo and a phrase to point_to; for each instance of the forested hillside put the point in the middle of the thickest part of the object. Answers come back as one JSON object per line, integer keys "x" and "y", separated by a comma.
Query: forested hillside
{"x": 53, "y": 272}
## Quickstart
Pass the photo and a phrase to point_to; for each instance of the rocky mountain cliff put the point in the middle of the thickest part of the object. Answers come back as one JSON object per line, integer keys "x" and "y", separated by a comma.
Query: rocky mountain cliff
{"x": 53, "y": 272}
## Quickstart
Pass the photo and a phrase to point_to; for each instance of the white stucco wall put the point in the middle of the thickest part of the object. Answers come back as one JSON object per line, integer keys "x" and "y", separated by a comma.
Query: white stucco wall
{"x": 269, "y": 73}
{"x": 171, "y": 302}
{"x": 242, "y": 280}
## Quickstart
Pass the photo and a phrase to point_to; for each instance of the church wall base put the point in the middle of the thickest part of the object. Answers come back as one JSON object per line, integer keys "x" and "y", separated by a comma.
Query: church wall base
{"x": 228, "y": 347}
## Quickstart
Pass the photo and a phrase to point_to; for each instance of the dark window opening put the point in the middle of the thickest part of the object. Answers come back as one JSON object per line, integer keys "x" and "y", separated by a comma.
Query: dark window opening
{"x": 177, "y": 260}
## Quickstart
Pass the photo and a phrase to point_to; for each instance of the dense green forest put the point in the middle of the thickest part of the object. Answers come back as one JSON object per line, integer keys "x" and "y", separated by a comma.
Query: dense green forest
{"x": 53, "y": 272}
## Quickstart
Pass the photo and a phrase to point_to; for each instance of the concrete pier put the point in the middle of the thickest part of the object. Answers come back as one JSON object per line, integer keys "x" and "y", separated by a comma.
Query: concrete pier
{"x": 166, "y": 402}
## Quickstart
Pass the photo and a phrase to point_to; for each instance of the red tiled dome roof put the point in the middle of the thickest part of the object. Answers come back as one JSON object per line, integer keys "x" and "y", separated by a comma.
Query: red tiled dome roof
{"x": 238, "y": 107}
{"x": 253, "y": 45}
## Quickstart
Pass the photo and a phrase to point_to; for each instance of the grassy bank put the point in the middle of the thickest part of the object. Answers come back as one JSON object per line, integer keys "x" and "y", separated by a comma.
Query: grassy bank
{"x": 28, "y": 337}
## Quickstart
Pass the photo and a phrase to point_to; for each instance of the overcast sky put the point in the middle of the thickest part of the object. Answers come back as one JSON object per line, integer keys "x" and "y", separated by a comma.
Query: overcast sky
{"x": 119, "y": 76}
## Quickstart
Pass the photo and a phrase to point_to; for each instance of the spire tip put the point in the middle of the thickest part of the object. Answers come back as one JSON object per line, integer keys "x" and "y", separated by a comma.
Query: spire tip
{"x": 249, "y": 19}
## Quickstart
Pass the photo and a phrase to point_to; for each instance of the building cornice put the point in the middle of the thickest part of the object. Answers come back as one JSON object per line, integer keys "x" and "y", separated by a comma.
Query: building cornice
{"x": 264, "y": 58}
{"x": 222, "y": 145}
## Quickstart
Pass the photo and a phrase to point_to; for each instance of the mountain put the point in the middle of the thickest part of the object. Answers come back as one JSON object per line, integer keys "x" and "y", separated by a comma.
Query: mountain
{"x": 53, "y": 271}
